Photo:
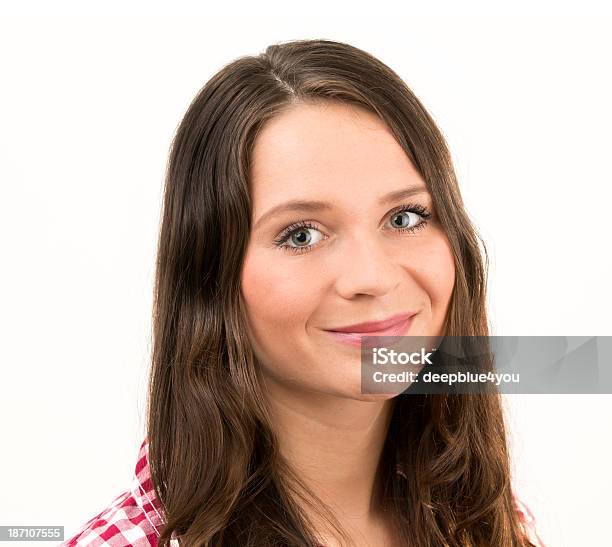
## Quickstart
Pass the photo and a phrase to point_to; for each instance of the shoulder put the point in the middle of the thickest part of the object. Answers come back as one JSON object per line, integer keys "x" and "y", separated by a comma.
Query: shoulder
{"x": 123, "y": 523}
{"x": 528, "y": 521}
{"x": 132, "y": 519}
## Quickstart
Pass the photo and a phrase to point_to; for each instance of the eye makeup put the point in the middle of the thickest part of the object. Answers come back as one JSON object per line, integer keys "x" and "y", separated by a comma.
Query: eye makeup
{"x": 305, "y": 225}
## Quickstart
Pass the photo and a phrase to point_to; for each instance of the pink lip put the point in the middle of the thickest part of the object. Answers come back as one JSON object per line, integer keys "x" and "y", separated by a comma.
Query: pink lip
{"x": 394, "y": 326}
{"x": 374, "y": 326}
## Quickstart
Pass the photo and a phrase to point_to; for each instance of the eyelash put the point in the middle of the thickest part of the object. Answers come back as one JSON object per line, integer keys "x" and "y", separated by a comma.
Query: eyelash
{"x": 296, "y": 226}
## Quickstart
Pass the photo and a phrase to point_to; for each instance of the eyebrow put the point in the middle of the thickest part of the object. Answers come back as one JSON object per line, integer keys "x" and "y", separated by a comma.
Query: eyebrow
{"x": 314, "y": 206}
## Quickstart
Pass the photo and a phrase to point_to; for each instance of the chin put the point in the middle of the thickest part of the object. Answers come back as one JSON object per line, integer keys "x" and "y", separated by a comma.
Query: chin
{"x": 357, "y": 395}
{"x": 375, "y": 397}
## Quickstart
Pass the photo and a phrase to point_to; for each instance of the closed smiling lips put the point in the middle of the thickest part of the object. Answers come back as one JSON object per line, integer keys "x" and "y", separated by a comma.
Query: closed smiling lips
{"x": 396, "y": 325}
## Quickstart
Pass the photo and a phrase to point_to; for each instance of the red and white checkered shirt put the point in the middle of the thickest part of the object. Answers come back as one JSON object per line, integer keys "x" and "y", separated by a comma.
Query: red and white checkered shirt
{"x": 135, "y": 518}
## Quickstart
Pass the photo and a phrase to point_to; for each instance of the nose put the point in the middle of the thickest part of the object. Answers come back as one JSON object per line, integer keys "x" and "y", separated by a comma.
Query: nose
{"x": 367, "y": 266}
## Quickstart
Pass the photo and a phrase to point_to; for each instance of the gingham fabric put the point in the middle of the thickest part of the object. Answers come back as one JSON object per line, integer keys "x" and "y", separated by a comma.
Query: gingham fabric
{"x": 134, "y": 517}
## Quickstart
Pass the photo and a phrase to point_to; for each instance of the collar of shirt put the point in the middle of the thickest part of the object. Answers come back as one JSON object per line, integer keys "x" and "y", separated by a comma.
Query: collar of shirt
{"x": 143, "y": 492}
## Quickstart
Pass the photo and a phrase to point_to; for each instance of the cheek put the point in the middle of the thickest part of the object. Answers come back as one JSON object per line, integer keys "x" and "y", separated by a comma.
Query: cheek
{"x": 277, "y": 299}
{"x": 279, "y": 302}
{"x": 442, "y": 270}
{"x": 435, "y": 270}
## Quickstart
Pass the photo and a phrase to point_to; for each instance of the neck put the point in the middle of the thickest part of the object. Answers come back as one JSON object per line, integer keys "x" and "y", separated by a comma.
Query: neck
{"x": 334, "y": 444}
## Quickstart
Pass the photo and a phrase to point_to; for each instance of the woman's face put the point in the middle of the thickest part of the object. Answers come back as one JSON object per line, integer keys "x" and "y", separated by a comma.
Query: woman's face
{"x": 348, "y": 255}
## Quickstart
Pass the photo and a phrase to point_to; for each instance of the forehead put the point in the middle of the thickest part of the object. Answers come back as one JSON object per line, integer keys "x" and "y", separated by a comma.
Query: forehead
{"x": 317, "y": 149}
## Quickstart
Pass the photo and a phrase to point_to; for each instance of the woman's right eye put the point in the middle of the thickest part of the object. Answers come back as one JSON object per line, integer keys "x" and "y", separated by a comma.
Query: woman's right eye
{"x": 299, "y": 237}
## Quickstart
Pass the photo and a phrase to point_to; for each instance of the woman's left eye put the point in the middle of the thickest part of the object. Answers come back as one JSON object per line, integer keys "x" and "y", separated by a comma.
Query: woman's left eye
{"x": 406, "y": 218}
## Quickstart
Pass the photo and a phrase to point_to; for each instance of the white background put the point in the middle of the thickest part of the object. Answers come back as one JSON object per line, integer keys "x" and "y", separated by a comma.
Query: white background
{"x": 88, "y": 107}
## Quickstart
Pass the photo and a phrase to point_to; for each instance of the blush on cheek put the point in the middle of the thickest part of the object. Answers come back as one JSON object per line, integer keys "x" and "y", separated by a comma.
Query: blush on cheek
{"x": 440, "y": 280}
{"x": 275, "y": 299}
{"x": 444, "y": 265}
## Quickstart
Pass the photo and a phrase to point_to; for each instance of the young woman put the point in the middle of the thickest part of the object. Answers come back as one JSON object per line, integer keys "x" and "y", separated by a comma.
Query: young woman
{"x": 310, "y": 199}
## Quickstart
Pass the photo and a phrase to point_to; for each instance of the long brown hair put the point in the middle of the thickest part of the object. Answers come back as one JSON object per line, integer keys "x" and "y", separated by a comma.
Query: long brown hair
{"x": 214, "y": 459}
